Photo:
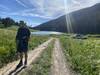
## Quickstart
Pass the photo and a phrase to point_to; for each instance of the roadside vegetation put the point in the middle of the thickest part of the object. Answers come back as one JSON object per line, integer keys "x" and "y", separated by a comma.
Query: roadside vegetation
{"x": 42, "y": 66}
{"x": 8, "y": 45}
{"x": 83, "y": 54}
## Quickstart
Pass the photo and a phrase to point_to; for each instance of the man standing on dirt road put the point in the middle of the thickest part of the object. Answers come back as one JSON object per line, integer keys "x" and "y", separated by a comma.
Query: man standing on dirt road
{"x": 22, "y": 39}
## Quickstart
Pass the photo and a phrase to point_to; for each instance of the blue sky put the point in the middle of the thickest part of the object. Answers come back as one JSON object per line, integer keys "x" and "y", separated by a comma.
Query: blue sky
{"x": 35, "y": 12}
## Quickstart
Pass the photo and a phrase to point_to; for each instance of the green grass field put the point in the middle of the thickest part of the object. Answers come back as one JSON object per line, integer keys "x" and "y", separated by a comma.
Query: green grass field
{"x": 83, "y": 54}
{"x": 8, "y": 45}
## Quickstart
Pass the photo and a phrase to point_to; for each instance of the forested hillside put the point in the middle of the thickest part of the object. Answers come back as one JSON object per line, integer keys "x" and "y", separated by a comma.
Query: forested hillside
{"x": 85, "y": 21}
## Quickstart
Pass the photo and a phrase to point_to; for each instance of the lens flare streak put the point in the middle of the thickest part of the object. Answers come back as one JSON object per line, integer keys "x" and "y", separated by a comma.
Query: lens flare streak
{"x": 68, "y": 17}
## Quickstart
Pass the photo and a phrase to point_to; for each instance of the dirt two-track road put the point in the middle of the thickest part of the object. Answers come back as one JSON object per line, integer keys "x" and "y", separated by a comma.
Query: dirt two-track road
{"x": 59, "y": 65}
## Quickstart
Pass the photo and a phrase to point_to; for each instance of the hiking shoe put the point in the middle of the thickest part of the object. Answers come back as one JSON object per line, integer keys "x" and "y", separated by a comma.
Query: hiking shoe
{"x": 25, "y": 63}
{"x": 25, "y": 66}
{"x": 19, "y": 65}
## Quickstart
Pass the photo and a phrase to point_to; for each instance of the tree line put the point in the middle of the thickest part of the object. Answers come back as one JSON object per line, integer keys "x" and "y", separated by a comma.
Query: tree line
{"x": 8, "y": 22}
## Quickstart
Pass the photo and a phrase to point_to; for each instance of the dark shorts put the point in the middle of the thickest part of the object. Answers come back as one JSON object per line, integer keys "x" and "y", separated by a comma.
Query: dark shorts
{"x": 22, "y": 46}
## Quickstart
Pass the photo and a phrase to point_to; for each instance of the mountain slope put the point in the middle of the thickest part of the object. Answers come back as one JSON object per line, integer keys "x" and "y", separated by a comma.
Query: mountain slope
{"x": 82, "y": 21}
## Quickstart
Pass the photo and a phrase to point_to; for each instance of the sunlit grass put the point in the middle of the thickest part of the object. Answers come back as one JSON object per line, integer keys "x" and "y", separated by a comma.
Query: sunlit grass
{"x": 84, "y": 55}
{"x": 8, "y": 45}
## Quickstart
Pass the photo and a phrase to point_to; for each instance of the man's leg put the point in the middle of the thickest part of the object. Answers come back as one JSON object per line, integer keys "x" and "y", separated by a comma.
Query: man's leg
{"x": 21, "y": 60}
{"x": 21, "y": 57}
{"x": 26, "y": 56}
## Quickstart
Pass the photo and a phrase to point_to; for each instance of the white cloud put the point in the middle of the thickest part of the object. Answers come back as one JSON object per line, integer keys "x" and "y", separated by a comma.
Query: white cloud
{"x": 4, "y": 7}
{"x": 50, "y": 9}
{"x": 21, "y": 3}
{"x": 34, "y": 24}
{"x": 29, "y": 13}
{"x": 80, "y": 4}
{"x": 76, "y": 2}
{"x": 43, "y": 7}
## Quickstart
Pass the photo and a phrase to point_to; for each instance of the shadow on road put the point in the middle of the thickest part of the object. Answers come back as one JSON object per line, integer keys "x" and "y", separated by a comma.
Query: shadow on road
{"x": 16, "y": 71}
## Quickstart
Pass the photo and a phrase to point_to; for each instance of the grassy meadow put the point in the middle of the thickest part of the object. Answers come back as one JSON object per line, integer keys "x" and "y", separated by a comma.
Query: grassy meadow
{"x": 83, "y": 54}
{"x": 8, "y": 45}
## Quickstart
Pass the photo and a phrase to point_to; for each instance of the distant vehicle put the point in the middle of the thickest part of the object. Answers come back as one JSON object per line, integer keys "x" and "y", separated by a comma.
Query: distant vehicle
{"x": 94, "y": 36}
{"x": 79, "y": 36}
